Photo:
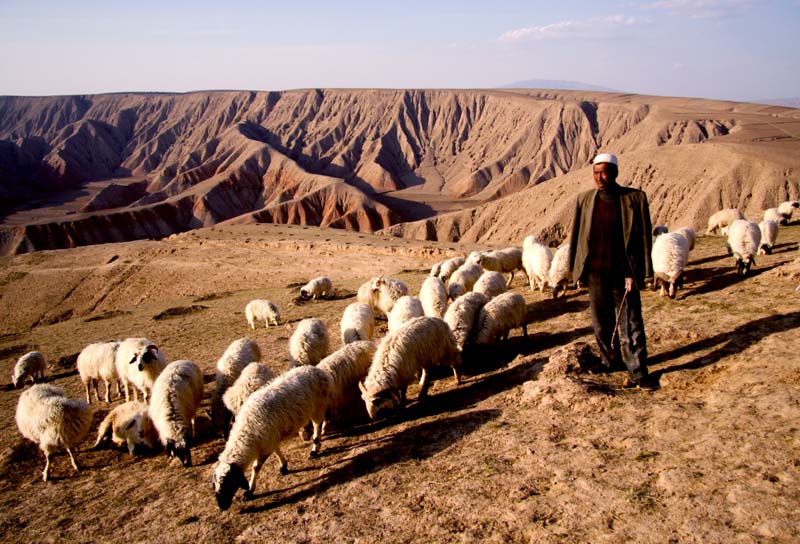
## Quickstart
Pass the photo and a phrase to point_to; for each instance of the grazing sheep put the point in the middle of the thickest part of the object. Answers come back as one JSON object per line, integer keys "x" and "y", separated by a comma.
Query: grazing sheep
{"x": 138, "y": 362}
{"x": 772, "y": 214}
{"x": 253, "y": 377}
{"x": 689, "y": 234}
{"x": 381, "y": 293}
{"x": 358, "y": 323}
{"x": 46, "y": 416}
{"x": 670, "y": 254}
{"x": 262, "y": 309}
{"x": 658, "y": 230}
{"x": 449, "y": 266}
{"x": 490, "y": 284}
{"x": 309, "y": 343}
{"x": 30, "y": 366}
{"x": 128, "y": 424}
{"x": 463, "y": 280}
{"x": 401, "y": 356}
{"x": 559, "y": 276}
{"x": 433, "y": 296}
{"x": 98, "y": 362}
{"x": 769, "y": 234}
{"x": 271, "y": 414}
{"x": 786, "y": 208}
{"x": 536, "y": 260}
{"x": 237, "y": 356}
{"x": 177, "y": 394}
{"x": 499, "y": 316}
{"x": 474, "y": 256}
{"x": 722, "y": 219}
{"x": 346, "y": 367}
{"x": 318, "y": 287}
{"x": 405, "y": 309}
{"x": 529, "y": 241}
{"x": 461, "y": 315}
{"x": 505, "y": 261}
{"x": 744, "y": 238}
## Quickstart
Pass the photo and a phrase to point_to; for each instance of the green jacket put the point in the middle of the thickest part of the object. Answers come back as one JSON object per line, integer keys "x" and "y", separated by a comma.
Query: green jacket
{"x": 636, "y": 230}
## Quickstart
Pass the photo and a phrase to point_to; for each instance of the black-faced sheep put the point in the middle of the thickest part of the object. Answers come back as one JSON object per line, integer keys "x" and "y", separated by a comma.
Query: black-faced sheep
{"x": 177, "y": 394}
{"x": 317, "y": 288}
{"x": 744, "y": 238}
{"x": 405, "y": 309}
{"x": 358, "y": 323}
{"x": 559, "y": 275}
{"x": 490, "y": 283}
{"x": 769, "y": 235}
{"x": 461, "y": 315}
{"x": 346, "y": 367}
{"x": 448, "y": 267}
{"x": 237, "y": 356}
{"x": 786, "y": 208}
{"x": 138, "y": 362}
{"x": 260, "y": 309}
{"x": 499, "y": 316}
{"x": 670, "y": 254}
{"x": 309, "y": 343}
{"x": 30, "y": 366}
{"x": 505, "y": 261}
{"x": 253, "y": 377}
{"x": 463, "y": 280}
{"x": 536, "y": 260}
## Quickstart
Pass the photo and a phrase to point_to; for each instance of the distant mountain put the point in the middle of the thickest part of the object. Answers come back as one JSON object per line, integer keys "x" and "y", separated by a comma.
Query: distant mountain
{"x": 557, "y": 84}
{"x": 788, "y": 102}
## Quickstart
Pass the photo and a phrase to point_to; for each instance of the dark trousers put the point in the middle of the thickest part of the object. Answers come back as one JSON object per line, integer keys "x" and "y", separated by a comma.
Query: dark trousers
{"x": 605, "y": 297}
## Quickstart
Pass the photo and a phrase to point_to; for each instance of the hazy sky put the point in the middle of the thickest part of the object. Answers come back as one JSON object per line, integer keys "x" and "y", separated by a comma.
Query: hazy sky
{"x": 734, "y": 49}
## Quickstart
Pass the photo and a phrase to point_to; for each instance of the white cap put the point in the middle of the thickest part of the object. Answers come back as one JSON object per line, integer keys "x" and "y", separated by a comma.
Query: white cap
{"x": 606, "y": 157}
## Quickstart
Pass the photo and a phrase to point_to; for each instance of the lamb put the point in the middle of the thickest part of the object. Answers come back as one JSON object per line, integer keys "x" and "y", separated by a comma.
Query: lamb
{"x": 449, "y": 266}
{"x": 404, "y": 354}
{"x": 346, "y": 367}
{"x": 46, "y": 416}
{"x": 536, "y": 260}
{"x": 253, "y": 377}
{"x": 499, "y": 316}
{"x": 381, "y": 293}
{"x": 559, "y": 275}
{"x": 723, "y": 219}
{"x": 490, "y": 284}
{"x": 744, "y": 238}
{"x": 262, "y": 309}
{"x": 506, "y": 260}
{"x": 433, "y": 296}
{"x": 128, "y": 424}
{"x": 30, "y": 366}
{"x": 147, "y": 361}
{"x": 769, "y": 234}
{"x": 98, "y": 362}
{"x": 270, "y": 415}
{"x": 786, "y": 208}
{"x": 689, "y": 234}
{"x": 461, "y": 314}
{"x": 463, "y": 280}
{"x": 237, "y": 356}
{"x": 358, "y": 323}
{"x": 404, "y": 310}
{"x": 177, "y": 394}
{"x": 318, "y": 287}
{"x": 772, "y": 214}
{"x": 309, "y": 343}
{"x": 670, "y": 254}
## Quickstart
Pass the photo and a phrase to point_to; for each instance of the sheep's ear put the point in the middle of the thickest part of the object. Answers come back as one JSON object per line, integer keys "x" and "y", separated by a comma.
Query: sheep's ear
{"x": 151, "y": 347}
{"x": 129, "y": 425}
{"x": 362, "y": 388}
{"x": 133, "y": 360}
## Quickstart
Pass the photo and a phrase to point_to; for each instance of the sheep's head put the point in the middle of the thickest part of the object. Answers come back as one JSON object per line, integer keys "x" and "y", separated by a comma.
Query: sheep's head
{"x": 380, "y": 402}
{"x": 227, "y": 480}
{"x": 146, "y": 357}
{"x": 303, "y": 293}
{"x": 180, "y": 449}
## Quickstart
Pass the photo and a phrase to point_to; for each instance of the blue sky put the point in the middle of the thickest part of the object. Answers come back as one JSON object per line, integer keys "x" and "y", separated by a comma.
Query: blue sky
{"x": 731, "y": 49}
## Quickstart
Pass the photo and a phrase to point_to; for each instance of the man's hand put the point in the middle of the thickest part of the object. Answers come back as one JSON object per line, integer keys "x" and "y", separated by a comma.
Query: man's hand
{"x": 629, "y": 284}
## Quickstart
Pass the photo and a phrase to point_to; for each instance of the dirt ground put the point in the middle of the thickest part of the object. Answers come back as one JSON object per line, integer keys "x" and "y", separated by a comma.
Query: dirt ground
{"x": 518, "y": 453}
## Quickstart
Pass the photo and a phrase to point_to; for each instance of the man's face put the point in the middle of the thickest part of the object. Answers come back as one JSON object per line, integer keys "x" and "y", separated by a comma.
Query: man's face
{"x": 605, "y": 174}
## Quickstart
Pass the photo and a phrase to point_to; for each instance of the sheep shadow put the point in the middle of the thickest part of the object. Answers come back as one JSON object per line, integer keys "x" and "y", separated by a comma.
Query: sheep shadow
{"x": 717, "y": 279}
{"x": 544, "y": 310}
{"x": 706, "y": 260}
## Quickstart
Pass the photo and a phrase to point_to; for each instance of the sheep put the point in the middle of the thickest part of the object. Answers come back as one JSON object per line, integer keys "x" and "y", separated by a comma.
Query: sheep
{"x": 262, "y": 309}
{"x": 358, "y": 323}
{"x": 490, "y": 284}
{"x": 149, "y": 362}
{"x": 270, "y": 415}
{"x": 46, "y": 416}
{"x": 670, "y": 254}
{"x": 559, "y": 275}
{"x": 769, "y": 234}
{"x": 744, "y": 238}
{"x": 786, "y": 208}
{"x": 30, "y": 366}
{"x": 658, "y": 230}
{"x": 689, "y": 234}
{"x": 98, "y": 362}
{"x": 722, "y": 219}
{"x": 253, "y": 377}
{"x": 506, "y": 260}
{"x": 237, "y": 356}
{"x": 499, "y": 316}
{"x": 405, "y": 309}
{"x": 529, "y": 241}
{"x": 381, "y": 293}
{"x": 404, "y": 354}
{"x": 536, "y": 260}
{"x": 463, "y": 280}
{"x": 461, "y": 314}
{"x": 318, "y": 287}
{"x": 346, "y": 367}
{"x": 433, "y": 296}
{"x": 177, "y": 394}
{"x": 772, "y": 214}
{"x": 128, "y": 424}
{"x": 449, "y": 266}
{"x": 309, "y": 343}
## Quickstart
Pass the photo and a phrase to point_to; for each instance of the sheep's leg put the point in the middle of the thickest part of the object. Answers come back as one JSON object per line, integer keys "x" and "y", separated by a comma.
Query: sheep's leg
{"x": 424, "y": 383}
{"x": 108, "y": 391}
{"x": 510, "y": 279}
{"x": 315, "y": 439}
{"x": 457, "y": 375}
{"x": 74, "y": 462}
{"x": 525, "y": 329}
{"x": 46, "y": 472}
{"x": 251, "y": 485}
{"x": 284, "y": 465}
{"x": 88, "y": 395}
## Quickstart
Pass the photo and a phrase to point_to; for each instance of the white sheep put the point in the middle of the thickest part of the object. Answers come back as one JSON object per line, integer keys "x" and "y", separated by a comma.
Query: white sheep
{"x": 536, "y": 261}
{"x": 253, "y": 377}
{"x": 505, "y": 261}
{"x": 461, "y": 315}
{"x": 46, "y": 416}
{"x": 689, "y": 234}
{"x": 261, "y": 309}
{"x": 530, "y": 240}
{"x": 559, "y": 276}
{"x": 98, "y": 362}
{"x": 463, "y": 279}
{"x": 358, "y": 323}
{"x": 381, "y": 293}
{"x": 772, "y": 214}
{"x": 722, "y": 220}
{"x": 316, "y": 288}
{"x": 786, "y": 208}
{"x": 138, "y": 362}
{"x": 177, "y": 394}
{"x": 403, "y": 355}
{"x": 433, "y": 296}
{"x": 237, "y": 356}
{"x": 346, "y": 367}
{"x": 670, "y": 254}
{"x": 271, "y": 414}
{"x": 744, "y": 238}
{"x": 449, "y": 266}
{"x": 490, "y": 283}
{"x": 405, "y": 309}
{"x": 769, "y": 235}
{"x": 30, "y": 366}
{"x": 309, "y": 343}
{"x": 128, "y": 424}
{"x": 499, "y": 316}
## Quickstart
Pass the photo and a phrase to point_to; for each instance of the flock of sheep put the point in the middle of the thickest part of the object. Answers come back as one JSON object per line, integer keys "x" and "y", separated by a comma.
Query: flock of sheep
{"x": 464, "y": 302}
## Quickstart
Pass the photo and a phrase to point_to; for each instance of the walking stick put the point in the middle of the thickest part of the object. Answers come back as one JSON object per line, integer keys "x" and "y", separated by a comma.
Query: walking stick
{"x": 619, "y": 314}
